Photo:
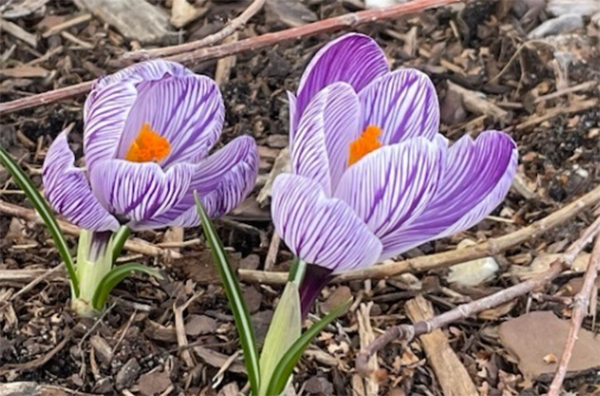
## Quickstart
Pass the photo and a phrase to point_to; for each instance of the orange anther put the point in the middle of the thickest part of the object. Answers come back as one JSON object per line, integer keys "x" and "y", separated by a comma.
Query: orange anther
{"x": 148, "y": 146}
{"x": 364, "y": 144}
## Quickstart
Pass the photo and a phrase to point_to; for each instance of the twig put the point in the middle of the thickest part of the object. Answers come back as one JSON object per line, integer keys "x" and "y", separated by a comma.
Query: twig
{"x": 228, "y": 30}
{"x": 492, "y": 247}
{"x": 408, "y": 332}
{"x": 180, "y": 330}
{"x": 419, "y": 264}
{"x": 40, "y": 361}
{"x": 272, "y": 252}
{"x": 132, "y": 245}
{"x": 580, "y": 310}
{"x": 254, "y": 43}
{"x": 37, "y": 280}
{"x": 45, "y": 98}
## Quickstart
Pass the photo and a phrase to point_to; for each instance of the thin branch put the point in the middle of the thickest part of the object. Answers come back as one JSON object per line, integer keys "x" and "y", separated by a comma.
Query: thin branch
{"x": 489, "y": 248}
{"x": 580, "y": 310}
{"x": 408, "y": 332}
{"x": 419, "y": 264}
{"x": 254, "y": 43}
{"x": 234, "y": 25}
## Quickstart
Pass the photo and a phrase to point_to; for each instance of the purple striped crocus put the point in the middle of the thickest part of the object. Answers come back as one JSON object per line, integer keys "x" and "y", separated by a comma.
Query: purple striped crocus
{"x": 372, "y": 178}
{"x": 148, "y": 130}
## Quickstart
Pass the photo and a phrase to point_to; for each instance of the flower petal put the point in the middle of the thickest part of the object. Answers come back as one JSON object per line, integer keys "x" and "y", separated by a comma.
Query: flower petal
{"x": 320, "y": 148}
{"x": 108, "y": 105}
{"x": 139, "y": 191}
{"x": 293, "y": 114}
{"x": 151, "y": 70}
{"x": 320, "y": 230}
{"x": 68, "y": 191}
{"x": 391, "y": 186}
{"x": 403, "y": 104}
{"x": 222, "y": 181}
{"x": 353, "y": 58}
{"x": 187, "y": 111}
{"x": 475, "y": 179}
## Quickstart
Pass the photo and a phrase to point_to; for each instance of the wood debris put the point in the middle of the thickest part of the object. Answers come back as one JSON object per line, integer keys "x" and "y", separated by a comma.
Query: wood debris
{"x": 135, "y": 19}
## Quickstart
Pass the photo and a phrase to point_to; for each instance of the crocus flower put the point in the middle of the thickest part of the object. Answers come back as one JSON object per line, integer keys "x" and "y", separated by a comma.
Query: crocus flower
{"x": 372, "y": 178}
{"x": 148, "y": 130}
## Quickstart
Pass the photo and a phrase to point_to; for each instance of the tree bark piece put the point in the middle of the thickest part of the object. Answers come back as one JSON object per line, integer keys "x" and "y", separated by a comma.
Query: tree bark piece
{"x": 451, "y": 373}
{"x": 135, "y": 19}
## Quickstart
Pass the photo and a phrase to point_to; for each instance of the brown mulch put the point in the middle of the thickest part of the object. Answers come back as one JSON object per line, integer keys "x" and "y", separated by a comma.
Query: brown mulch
{"x": 133, "y": 349}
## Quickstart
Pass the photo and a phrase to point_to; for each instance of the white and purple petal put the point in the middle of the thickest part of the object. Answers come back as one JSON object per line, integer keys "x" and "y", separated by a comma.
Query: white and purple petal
{"x": 68, "y": 191}
{"x": 321, "y": 230}
{"x": 108, "y": 105}
{"x": 222, "y": 181}
{"x": 151, "y": 70}
{"x": 187, "y": 111}
{"x": 320, "y": 147}
{"x": 136, "y": 192}
{"x": 403, "y": 104}
{"x": 392, "y": 186}
{"x": 475, "y": 179}
{"x": 353, "y": 58}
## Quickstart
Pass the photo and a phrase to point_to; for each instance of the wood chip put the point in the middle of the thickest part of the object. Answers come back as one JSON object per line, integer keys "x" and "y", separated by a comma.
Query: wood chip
{"x": 25, "y": 72}
{"x": 452, "y": 375}
{"x": 135, "y": 19}
{"x": 477, "y": 103}
{"x": 290, "y": 12}
{"x": 183, "y": 13}
{"x": 18, "y": 32}
{"x": 365, "y": 331}
{"x": 67, "y": 24}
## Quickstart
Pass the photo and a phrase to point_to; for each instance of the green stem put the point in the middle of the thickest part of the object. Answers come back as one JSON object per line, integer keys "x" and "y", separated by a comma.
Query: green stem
{"x": 94, "y": 261}
{"x": 119, "y": 240}
{"x": 297, "y": 271}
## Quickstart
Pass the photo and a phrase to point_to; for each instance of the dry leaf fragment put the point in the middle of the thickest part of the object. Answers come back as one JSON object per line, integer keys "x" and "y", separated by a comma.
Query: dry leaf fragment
{"x": 533, "y": 337}
{"x": 183, "y": 13}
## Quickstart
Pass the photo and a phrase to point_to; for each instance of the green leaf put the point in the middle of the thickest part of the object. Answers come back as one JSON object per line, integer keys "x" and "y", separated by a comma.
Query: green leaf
{"x": 120, "y": 237}
{"x": 236, "y": 301}
{"x": 114, "y": 277}
{"x": 45, "y": 212}
{"x": 286, "y": 365}
{"x": 284, "y": 330}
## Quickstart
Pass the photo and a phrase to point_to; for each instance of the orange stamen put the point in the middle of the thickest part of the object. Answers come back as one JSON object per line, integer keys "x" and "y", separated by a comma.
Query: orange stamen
{"x": 364, "y": 144}
{"x": 148, "y": 146}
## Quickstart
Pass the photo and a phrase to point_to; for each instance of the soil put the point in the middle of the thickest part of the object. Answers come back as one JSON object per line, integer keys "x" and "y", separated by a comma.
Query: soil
{"x": 133, "y": 348}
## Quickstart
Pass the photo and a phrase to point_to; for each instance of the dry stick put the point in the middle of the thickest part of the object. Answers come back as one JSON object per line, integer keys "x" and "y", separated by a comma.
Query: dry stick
{"x": 254, "y": 43}
{"x": 234, "y": 25}
{"x": 132, "y": 245}
{"x": 580, "y": 310}
{"x": 491, "y": 247}
{"x": 419, "y": 264}
{"x": 408, "y": 332}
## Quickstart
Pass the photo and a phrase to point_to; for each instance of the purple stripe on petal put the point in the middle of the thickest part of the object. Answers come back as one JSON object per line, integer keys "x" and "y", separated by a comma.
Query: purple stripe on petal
{"x": 222, "y": 181}
{"x": 144, "y": 71}
{"x": 352, "y": 58}
{"x": 320, "y": 148}
{"x": 391, "y": 186}
{"x": 320, "y": 230}
{"x": 139, "y": 191}
{"x": 109, "y": 103}
{"x": 105, "y": 114}
{"x": 293, "y": 116}
{"x": 68, "y": 191}
{"x": 475, "y": 179}
{"x": 187, "y": 111}
{"x": 403, "y": 104}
